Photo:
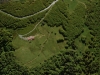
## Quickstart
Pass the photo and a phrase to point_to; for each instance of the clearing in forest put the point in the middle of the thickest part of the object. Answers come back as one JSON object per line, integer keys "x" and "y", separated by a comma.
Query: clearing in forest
{"x": 33, "y": 53}
{"x": 41, "y": 48}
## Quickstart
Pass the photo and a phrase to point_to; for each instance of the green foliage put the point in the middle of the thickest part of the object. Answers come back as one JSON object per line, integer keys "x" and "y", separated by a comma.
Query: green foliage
{"x": 72, "y": 24}
{"x": 24, "y": 8}
{"x": 91, "y": 63}
{"x": 57, "y": 15}
{"x": 69, "y": 63}
{"x": 8, "y": 66}
{"x": 6, "y": 21}
{"x": 73, "y": 62}
{"x": 12, "y": 23}
{"x": 5, "y": 40}
{"x": 92, "y": 21}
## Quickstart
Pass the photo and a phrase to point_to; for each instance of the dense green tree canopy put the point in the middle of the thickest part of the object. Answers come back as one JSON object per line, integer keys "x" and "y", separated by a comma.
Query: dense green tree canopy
{"x": 82, "y": 50}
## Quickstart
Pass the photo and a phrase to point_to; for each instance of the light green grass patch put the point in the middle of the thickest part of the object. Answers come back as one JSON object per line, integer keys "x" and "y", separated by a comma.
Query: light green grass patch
{"x": 85, "y": 34}
{"x": 39, "y": 49}
{"x": 71, "y": 5}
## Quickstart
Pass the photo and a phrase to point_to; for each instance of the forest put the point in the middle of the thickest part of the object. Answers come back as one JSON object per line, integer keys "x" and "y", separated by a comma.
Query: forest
{"x": 80, "y": 29}
{"x": 23, "y": 8}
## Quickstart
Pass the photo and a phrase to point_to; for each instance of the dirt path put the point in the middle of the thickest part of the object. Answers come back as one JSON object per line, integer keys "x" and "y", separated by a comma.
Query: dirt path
{"x": 53, "y": 3}
{"x": 22, "y": 36}
{"x": 42, "y": 46}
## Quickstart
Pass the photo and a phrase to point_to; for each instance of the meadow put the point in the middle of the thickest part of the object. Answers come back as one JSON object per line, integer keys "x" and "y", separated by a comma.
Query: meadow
{"x": 66, "y": 37}
{"x": 41, "y": 48}
{"x": 44, "y": 45}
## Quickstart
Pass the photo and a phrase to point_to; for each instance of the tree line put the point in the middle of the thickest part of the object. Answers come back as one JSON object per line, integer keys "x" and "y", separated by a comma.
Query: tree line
{"x": 68, "y": 62}
{"x": 24, "y": 8}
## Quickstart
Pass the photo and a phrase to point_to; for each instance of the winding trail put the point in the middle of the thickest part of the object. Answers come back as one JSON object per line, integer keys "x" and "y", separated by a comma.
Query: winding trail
{"x": 29, "y": 15}
{"x": 41, "y": 49}
{"x": 22, "y": 36}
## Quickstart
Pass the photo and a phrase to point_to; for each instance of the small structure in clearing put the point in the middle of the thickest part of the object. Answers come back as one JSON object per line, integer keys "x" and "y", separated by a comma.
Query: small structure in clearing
{"x": 27, "y": 38}
{"x": 30, "y": 38}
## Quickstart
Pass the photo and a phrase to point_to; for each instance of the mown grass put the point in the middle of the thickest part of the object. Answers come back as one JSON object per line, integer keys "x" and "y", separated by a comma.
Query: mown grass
{"x": 39, "y": 49}
{"x": 71, "y": 5}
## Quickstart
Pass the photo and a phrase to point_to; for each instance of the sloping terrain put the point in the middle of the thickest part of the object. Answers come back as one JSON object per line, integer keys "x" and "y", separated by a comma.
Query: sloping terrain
{"x": 66, "y": 39}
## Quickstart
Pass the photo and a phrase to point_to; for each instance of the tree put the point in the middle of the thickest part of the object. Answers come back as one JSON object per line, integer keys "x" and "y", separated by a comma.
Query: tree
{"x": 9, "y": 66}
{"x": 5, "y": 40}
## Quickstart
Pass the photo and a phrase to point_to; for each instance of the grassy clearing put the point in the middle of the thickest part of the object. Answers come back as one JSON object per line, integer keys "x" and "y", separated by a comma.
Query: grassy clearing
{"x": 45, "y": 44}
{"x": 40, "y": 49}
{"x": 71, "y": 5}
{"x": 86, "y": 34}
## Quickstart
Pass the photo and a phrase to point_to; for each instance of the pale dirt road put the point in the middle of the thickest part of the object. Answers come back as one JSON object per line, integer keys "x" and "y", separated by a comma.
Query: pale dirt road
{"x": 32, "y": 14}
